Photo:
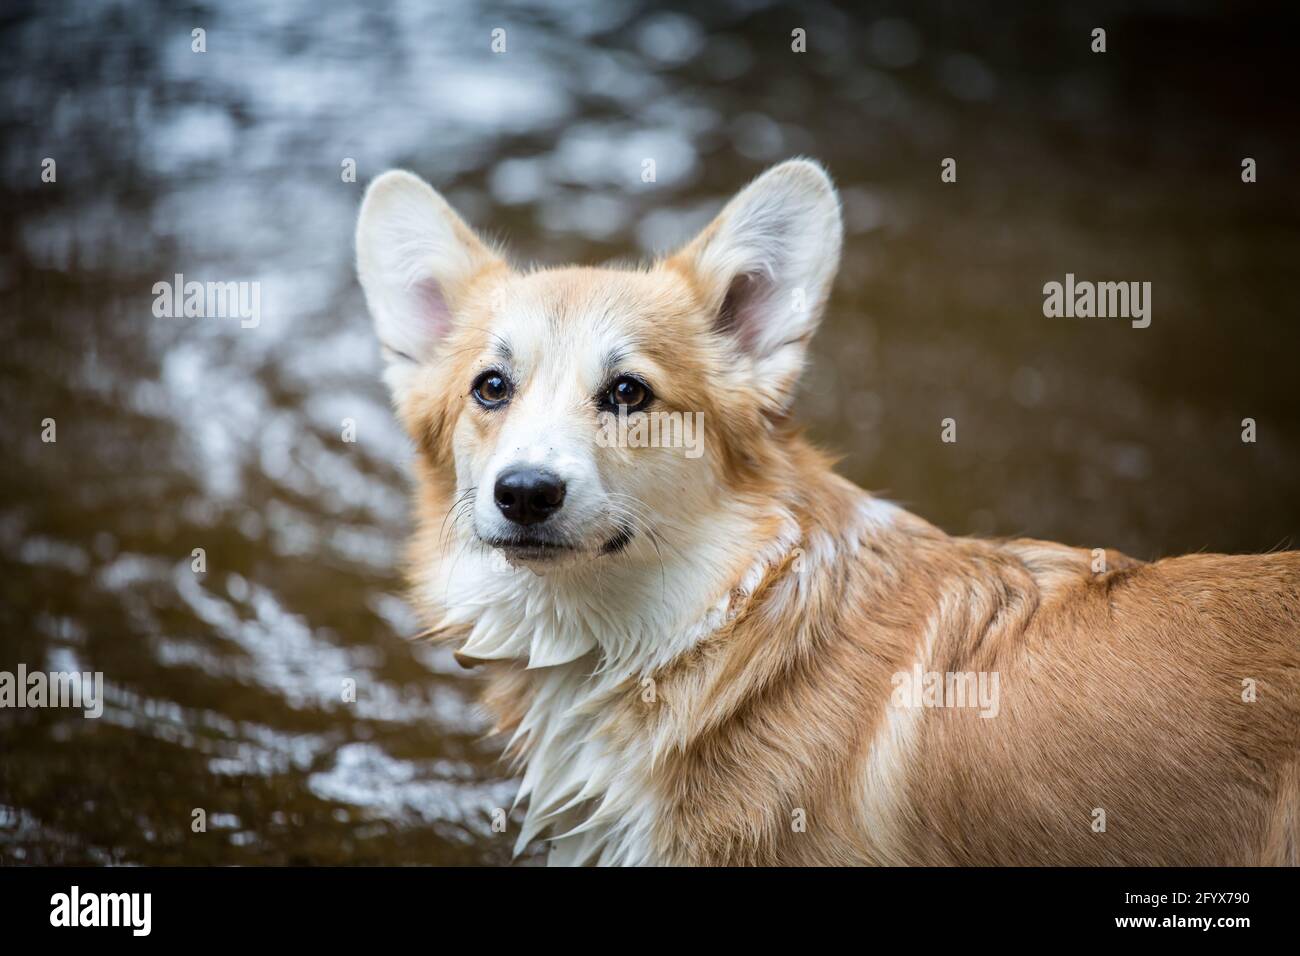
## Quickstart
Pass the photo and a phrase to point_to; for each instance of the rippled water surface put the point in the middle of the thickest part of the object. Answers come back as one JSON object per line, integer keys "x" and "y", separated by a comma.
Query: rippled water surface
{"x": 223, "y": 687}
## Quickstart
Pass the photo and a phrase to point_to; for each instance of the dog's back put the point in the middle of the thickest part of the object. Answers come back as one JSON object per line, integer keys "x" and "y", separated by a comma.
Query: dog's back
{"x": 1149, "y": 715}
{"x": 1144, "y": 714}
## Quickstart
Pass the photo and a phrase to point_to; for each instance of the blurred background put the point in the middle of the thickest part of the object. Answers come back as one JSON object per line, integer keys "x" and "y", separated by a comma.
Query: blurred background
{"x": 172, "y": 434}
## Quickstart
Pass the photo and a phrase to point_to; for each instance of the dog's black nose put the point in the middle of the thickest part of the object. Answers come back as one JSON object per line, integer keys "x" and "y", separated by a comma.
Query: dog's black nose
{"x": 528, "y": 495}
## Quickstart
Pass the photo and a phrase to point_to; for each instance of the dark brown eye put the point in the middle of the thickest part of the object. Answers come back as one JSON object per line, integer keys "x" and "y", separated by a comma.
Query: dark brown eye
{"x": 628, "y": 392}
{"x": 491, "y": 389}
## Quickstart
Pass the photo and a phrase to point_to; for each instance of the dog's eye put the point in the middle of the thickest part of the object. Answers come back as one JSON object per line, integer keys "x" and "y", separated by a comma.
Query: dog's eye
{"x": 629, "y": 392}
{"x": 490, "y": 389}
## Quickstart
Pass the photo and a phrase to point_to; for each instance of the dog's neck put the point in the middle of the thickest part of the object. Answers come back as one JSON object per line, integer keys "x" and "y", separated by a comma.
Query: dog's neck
{"x": 633, "y": 615}
{"x": 570, "y": 648}
{"x": 573, "y": 650}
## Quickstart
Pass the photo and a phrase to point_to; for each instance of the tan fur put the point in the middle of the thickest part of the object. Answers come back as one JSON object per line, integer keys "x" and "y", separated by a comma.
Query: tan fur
{"x": 1121, "y": 690}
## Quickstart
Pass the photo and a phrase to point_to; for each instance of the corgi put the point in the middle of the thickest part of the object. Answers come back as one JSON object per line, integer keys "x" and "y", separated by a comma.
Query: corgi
{"x": 737, "y": 657}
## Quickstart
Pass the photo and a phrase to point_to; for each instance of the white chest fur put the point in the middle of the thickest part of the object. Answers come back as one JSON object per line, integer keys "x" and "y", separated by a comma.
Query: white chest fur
{"x": 588, "y": 641}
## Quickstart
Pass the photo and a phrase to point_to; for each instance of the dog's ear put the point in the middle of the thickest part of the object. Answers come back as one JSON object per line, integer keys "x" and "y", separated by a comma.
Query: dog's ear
{"x": 414, "y": 257}
{"x": 765, "y": 267}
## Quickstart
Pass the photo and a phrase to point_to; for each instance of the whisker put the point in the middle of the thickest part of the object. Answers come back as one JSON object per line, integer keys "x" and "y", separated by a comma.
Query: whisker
{"x": 459, "y": 500}
{"x": 632, "y": 508}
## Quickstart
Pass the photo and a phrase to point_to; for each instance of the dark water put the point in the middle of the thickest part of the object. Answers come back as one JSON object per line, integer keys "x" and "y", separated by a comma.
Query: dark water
{"x": 223, "y": 687}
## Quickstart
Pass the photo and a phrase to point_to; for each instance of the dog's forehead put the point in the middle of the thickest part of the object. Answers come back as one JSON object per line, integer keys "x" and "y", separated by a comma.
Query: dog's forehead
{"x": 580, "y": 317}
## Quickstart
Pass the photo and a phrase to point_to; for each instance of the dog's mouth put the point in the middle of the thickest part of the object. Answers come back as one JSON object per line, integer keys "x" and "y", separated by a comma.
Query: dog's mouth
{"x": 617, "y": 543}
{"x": 533, "y": 549}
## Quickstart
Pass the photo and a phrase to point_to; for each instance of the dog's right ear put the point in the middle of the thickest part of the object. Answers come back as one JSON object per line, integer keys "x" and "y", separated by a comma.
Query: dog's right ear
{"x": 414, "y": 258}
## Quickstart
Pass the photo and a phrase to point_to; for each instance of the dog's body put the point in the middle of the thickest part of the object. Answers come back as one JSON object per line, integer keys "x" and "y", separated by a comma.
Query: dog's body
{"x": 700, "y": 660}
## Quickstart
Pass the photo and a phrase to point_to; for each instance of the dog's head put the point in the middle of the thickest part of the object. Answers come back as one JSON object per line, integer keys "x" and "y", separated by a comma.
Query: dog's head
{"x": 564, "y": 415}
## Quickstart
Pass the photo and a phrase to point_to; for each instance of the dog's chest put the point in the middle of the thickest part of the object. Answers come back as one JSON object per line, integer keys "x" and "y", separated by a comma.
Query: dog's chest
{"x": 587, "y": 769}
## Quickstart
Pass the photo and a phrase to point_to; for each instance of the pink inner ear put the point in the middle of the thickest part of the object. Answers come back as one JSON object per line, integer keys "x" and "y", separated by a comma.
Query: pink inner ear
{"x": 741, "y": 313}
{"x": 433, "y": 310}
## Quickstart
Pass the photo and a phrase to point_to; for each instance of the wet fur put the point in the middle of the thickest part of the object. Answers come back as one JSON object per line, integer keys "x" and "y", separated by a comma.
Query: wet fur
{"x": 686, "y": 700}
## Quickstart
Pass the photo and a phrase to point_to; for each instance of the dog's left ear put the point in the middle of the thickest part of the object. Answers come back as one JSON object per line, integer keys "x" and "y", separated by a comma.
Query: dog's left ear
{"x": 765, "y": 267}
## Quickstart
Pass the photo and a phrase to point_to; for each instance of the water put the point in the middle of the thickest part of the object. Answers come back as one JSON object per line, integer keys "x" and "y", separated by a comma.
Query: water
{"x": 224, "y": 688}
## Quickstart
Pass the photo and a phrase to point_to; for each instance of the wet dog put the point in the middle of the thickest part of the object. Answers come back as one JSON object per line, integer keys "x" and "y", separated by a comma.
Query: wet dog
{"x": 738, "y": 657}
